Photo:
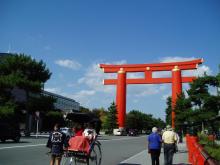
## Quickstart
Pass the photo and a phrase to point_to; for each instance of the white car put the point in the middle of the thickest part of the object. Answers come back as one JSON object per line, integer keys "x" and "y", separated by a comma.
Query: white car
{"x": 119, "y": 132}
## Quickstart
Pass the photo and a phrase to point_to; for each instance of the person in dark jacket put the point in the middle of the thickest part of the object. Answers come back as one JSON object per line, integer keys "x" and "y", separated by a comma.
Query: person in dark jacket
{"x": 56, "y": 142}
{"x": 154, "y": 146}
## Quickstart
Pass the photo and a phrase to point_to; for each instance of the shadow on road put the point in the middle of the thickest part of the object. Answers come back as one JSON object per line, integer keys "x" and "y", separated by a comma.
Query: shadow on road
{"x": 128, "y": 164}
{"x": 182, "y": 151}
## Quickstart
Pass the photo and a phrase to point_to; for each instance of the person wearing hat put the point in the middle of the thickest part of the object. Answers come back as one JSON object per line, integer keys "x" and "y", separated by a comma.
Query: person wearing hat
{"x": 154, "y": 146}
{"x": 169, "y": 139}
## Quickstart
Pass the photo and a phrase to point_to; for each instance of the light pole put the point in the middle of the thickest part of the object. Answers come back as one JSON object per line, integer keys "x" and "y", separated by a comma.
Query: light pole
{"x": 37, "y": 113}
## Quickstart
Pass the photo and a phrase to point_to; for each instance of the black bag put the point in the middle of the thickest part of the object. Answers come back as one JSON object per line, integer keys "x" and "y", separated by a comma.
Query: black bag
{"x": 175, "y": 148}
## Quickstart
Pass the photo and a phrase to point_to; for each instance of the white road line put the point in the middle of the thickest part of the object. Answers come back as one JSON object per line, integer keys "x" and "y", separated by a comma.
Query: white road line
{"x": 121, "y": 139}
{"x": 23, "y": 146}
{"x": 125, "y": 161}
{"x": 36, "y": 145}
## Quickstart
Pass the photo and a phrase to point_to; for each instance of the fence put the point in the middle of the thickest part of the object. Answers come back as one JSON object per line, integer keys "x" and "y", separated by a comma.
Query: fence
{"x": 197, "y": 155}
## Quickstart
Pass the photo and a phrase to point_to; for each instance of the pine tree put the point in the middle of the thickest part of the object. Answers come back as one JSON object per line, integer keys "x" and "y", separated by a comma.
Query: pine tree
{"x": 111, "y": 120}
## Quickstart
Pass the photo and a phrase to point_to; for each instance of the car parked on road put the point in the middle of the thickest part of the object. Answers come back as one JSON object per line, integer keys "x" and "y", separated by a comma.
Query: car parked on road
{"x": 132, "y": 132}
{"x": 9, "y": 131}
{"x": 119, "y": 132}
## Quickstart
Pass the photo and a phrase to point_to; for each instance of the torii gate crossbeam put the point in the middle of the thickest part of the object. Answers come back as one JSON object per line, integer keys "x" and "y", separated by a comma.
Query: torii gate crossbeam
{"x": 148, "y": 69}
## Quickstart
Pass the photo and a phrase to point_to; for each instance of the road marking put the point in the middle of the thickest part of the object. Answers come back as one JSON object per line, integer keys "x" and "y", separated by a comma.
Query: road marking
{"x": 127, "y": 160}
{"x": 22, "y": 146}
{"x": 36, "y": 145}
{"x": 122, "y": 138}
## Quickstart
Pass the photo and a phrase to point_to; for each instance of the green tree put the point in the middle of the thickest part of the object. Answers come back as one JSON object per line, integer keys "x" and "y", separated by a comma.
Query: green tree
{"x": 141, "y": 121}
{"x": 199, "y": 106}
{"x": 7, "y": 112}
{"x": 41, "y": 103}
{"x": 168, "y": 111}
{"x": 19, "y": 70}
{"x": 111, "y": 120}
{"x": 51, "y": 118}
{"x": 84, "y": 109}
{"x": 135, "y": 120}
{"x": 183, "y": 110}
{"x": 23, "y": 72}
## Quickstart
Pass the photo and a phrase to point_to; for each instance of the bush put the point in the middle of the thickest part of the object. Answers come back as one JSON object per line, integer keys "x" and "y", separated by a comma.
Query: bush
{"x": 213, "y": 151}
{"x": 7, "y": 113}
{"x": 210, "y": 146}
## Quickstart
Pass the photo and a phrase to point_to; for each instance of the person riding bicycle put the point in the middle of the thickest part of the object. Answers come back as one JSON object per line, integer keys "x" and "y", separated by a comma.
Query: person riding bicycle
{"x": 57, "y": 143}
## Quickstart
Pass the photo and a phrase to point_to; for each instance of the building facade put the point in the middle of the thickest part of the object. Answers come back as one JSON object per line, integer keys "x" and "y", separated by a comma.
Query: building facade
{"x": 62, "y": 103}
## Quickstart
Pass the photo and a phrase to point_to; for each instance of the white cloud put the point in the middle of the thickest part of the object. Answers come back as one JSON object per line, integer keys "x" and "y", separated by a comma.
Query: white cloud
{"x": 135, "y": 75}
{"x": 72, "y": 64}
{"x": 94, "y": 77}
{"x": 117, "y": 62}
{"x": 164, "y": 97}
{"x": 198, "y": 72}
{"x": 84, "y": 93}
{"x": 71, "y": 85}
{"x": 149, "y": 91}
{"x": 176, "y": 59}
{"x": 202, "y": 69}
{"x": 53, "y": 90}
{"x": 84, "y": 97}
{"x": 162, "y": 74}
{"x": 143, "y": 90}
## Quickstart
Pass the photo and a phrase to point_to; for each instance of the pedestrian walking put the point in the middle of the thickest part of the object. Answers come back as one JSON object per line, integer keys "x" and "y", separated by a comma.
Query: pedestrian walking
{"x": 154, "y": 146}
{"x": 169, "y": 139}
{"x": 56, "y": 143}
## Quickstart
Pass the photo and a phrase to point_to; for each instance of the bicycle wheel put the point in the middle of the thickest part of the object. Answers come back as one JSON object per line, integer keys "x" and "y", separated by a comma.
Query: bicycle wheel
{"x": 95, "y": 155}
{"x": 67, "y": 161}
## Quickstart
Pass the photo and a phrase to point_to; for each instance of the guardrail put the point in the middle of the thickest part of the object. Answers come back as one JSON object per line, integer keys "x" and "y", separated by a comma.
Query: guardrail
{"x": 196, "y": 154}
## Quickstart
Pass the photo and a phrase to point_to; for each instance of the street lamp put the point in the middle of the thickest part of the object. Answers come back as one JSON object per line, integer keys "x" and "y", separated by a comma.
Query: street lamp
{"x": 37, "y": 113}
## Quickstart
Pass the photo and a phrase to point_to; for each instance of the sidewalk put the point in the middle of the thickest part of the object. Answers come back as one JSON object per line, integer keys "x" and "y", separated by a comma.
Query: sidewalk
{"x": 143, "y": 158}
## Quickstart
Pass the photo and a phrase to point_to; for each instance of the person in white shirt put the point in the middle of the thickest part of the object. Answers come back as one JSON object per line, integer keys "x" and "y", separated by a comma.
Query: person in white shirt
{"x": 169, "y": 139}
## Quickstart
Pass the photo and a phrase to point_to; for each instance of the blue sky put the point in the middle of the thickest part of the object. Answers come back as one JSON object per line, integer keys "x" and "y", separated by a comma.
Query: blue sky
{"x": 73, "y": 36}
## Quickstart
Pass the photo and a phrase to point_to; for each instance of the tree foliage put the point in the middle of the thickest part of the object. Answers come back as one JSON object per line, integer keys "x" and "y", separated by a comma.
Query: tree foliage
{"x": 168, "y": 111}
{"x": 51, "y": 118}
{"x": 141, "y": 121}
{"x": 200, "y": 106}
{"x": 41, "y": 103}
{"x": 23, "y": 72}
{"x": 111, "y": 119}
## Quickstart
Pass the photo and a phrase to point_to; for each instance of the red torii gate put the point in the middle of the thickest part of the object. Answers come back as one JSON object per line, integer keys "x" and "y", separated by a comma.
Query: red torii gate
{"x": 148, "y": 69}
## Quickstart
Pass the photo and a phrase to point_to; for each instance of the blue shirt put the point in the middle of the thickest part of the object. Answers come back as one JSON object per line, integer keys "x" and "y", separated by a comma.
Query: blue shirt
{"x": 154, "y": 141}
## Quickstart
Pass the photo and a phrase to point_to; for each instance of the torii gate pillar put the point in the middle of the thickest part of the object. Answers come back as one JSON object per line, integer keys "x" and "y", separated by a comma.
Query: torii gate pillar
{"x": 176, "y": 90}
{"x": 121, "y": 97}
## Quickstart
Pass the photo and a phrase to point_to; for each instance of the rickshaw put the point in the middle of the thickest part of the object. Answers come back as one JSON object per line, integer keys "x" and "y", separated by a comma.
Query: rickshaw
{"x": 92, "y": 155}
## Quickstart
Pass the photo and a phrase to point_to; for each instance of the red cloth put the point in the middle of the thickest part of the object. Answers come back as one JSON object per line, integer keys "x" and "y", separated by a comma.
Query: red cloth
{"x": 79, "y": 132}
{"x": 79, "y": 143}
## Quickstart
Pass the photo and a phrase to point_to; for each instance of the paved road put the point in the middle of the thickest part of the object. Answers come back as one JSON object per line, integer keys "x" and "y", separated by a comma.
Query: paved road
{"x": 32, "y": 151}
